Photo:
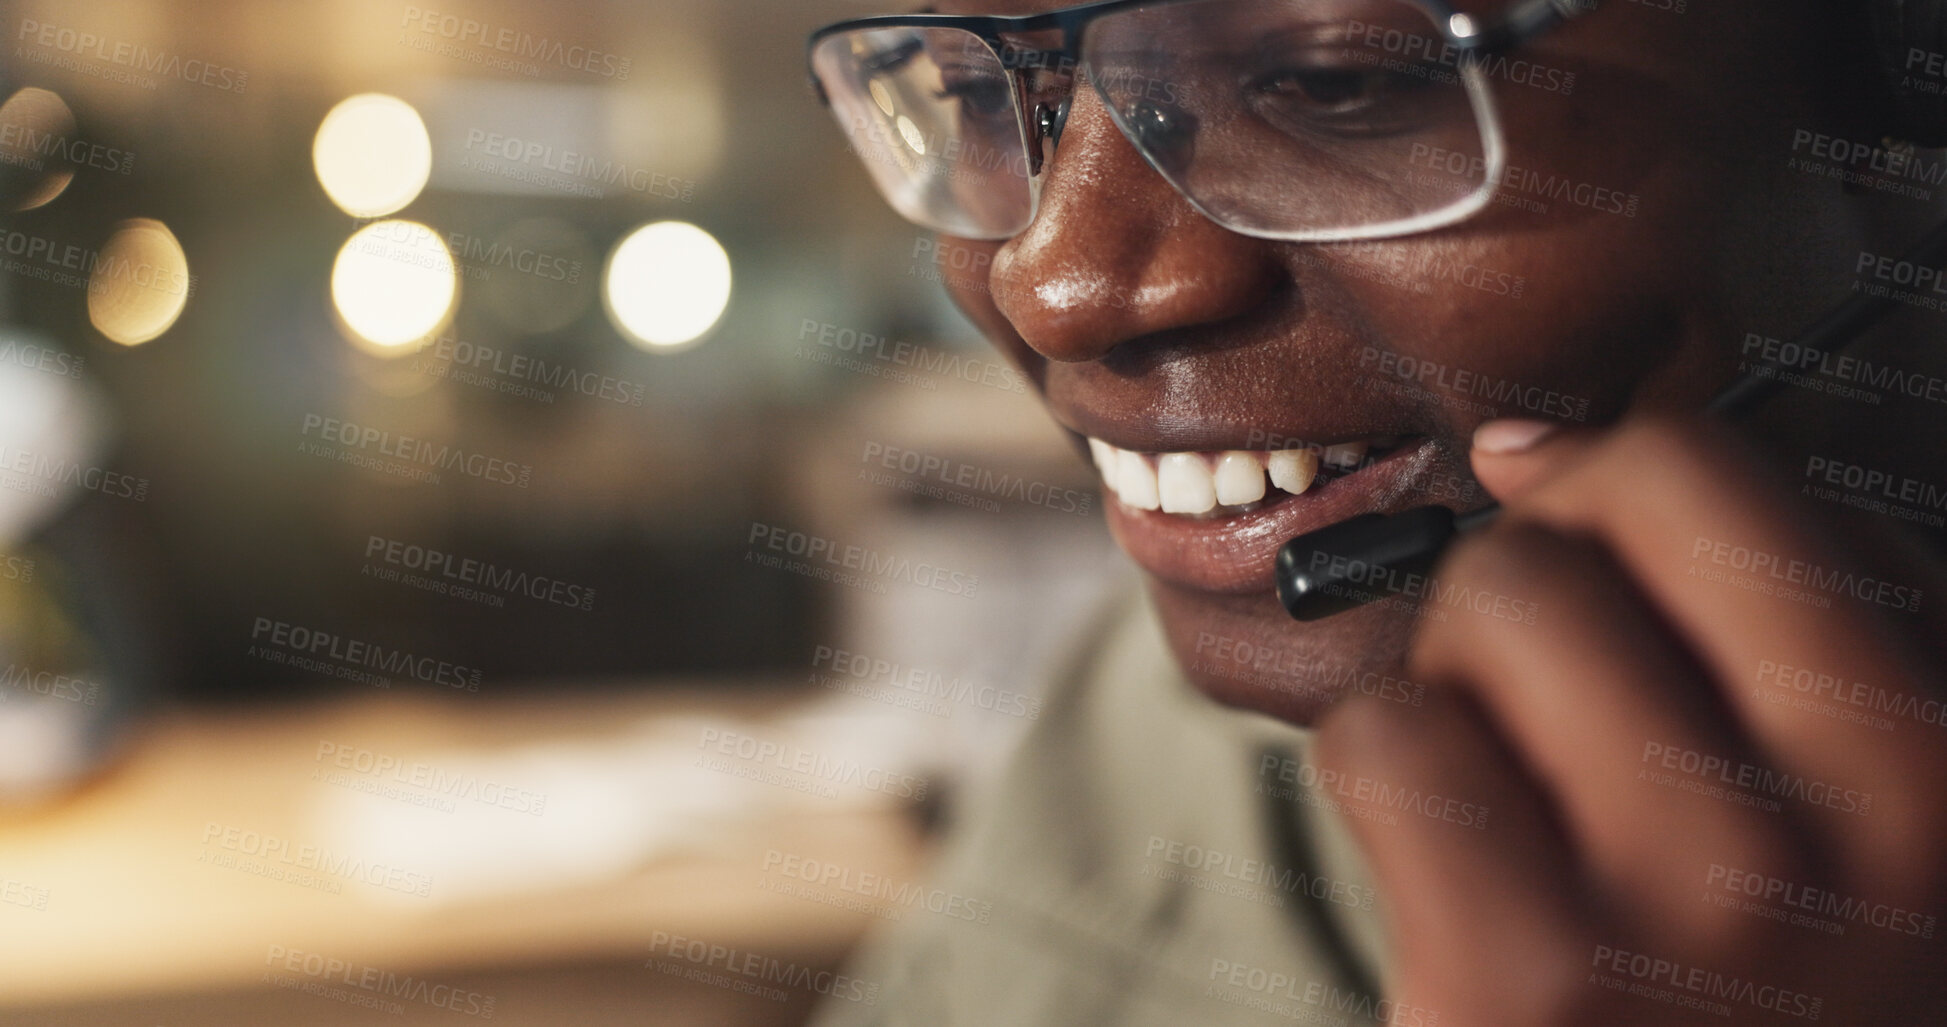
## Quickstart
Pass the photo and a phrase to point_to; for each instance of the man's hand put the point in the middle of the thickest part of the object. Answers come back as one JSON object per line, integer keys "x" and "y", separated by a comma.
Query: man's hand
{"x": 1714, "y": 766}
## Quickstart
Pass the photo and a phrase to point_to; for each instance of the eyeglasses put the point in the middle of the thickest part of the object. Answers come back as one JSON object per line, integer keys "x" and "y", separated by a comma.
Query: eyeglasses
{"x": 1303, "y": 120}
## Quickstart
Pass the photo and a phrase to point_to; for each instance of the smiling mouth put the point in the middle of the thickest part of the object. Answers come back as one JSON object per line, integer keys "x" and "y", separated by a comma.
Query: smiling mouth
{"x": 1228, "y": 483}
{"x": 1212, "y": 521}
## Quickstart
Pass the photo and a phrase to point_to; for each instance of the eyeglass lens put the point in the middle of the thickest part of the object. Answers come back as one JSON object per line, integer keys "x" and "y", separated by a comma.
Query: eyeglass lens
{"x": 1294, "y": 118}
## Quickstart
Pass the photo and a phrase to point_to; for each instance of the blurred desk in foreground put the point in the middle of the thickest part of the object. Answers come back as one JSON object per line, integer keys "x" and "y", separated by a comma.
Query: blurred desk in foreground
{"x": 179, "y": 887}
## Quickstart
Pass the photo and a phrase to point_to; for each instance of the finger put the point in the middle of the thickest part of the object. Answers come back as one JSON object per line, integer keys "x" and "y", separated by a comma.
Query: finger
{"x": 1613, "y": 715}
{"x": 1458, "y": 836}
{"x": 1511, "y": 455}
{"x": 1729, "y": 558}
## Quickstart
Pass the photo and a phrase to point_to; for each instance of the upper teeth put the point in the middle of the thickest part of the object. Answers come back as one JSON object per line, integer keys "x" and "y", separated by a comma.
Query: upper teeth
{"x": 1197, "y": 483}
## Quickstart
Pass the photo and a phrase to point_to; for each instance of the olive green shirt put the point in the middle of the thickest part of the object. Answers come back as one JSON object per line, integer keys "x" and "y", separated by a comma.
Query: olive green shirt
{"x": 1141, "y": 860}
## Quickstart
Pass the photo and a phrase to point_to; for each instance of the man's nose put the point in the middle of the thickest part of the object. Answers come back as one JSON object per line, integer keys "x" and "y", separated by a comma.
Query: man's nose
{"x": 1115, "y": 253}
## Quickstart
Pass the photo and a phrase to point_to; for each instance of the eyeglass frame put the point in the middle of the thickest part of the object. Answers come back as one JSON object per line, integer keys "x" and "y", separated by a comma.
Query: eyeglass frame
{"x": 1519, "y": 24}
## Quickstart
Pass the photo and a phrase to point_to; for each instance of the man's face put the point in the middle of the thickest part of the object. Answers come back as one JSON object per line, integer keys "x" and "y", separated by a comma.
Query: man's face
{"x": 1626, "y": 253}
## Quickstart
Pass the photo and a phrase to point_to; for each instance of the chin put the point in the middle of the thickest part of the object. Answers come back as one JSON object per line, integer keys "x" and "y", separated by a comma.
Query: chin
{"x": 1243, "y": 651}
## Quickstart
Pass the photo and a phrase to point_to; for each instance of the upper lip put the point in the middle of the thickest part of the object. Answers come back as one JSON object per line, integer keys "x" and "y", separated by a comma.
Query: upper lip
{"x": 1197, "y": 399}
{"x": 1188, "y": 434}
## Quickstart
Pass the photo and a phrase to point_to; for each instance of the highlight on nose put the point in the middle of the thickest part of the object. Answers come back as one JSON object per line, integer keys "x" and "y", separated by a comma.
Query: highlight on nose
{"x": 1114, "y": 253}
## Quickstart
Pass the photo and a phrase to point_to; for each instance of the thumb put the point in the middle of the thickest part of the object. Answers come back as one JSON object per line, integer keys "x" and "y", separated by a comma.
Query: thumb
{"x": 1512, "y": 455}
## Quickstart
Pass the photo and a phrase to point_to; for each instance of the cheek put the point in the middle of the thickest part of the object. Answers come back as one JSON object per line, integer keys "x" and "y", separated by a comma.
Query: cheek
{"x": 1582, "y": 280}
{"x": 1596, "y": 266}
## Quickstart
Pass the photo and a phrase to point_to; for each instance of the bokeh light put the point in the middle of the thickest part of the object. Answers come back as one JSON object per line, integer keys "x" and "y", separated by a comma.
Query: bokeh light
{"x": 140, "y": 282}
{"x": 372, "y": 155}
{"x": 30, "y": 120}
{"x": 394, "y": 286}
{"x": 667, "y": 285}
{"x": 915, "y": 139}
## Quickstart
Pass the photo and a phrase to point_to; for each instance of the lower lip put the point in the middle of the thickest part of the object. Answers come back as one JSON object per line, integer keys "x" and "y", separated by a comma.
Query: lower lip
{"x": 1237, "y": 555}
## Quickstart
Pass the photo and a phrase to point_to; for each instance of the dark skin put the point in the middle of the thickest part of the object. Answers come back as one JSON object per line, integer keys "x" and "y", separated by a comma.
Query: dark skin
{"x": 1140, "y": 320}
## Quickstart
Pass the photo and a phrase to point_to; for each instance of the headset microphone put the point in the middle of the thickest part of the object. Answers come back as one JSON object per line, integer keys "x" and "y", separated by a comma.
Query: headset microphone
{"x": 1376, "y": 556}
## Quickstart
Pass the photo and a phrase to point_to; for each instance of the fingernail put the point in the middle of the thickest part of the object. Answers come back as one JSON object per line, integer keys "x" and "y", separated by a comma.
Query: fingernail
{"x": 1509, "y": 436}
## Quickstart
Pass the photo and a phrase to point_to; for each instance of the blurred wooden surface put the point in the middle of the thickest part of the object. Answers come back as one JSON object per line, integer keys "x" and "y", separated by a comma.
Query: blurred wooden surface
{"x": 140, "y": 925}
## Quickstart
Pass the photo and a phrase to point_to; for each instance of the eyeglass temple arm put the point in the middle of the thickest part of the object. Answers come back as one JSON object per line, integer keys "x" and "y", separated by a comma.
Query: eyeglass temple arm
{"x": 1522, "y": 22}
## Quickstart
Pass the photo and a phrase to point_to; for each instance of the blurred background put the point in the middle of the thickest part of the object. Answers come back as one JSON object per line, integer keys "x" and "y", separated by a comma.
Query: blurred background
{"x": 497, "y": 519}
